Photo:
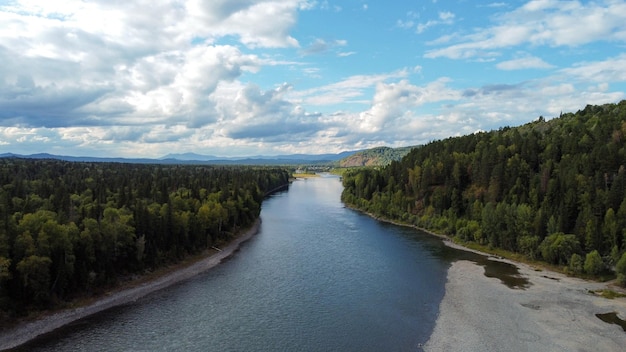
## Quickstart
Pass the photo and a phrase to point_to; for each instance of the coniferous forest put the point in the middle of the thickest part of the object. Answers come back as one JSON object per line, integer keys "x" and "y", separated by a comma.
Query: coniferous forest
{"x": 70, "y": 228}
{"x": 552, "y": 190}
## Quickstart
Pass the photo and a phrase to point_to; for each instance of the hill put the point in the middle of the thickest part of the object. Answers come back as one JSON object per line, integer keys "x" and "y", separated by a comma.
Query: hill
{"x": 551, "y": 190}
{"x": 379, "y": 156}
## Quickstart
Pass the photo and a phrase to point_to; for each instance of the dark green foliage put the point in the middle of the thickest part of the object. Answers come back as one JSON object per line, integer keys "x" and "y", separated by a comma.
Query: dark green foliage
{"x": 575, "y": 264}
{"x": 558, "y": 248}
{"x": 69, "y": 227}
{"x": 564, "y": 178}
{"x": 621, "y": 270}
{"x": 593, "y": 263}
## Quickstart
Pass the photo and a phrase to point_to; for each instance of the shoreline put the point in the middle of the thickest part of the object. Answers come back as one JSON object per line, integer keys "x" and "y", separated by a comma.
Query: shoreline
{"x": 555, "y": 312}
{"x": 28, "y": 331}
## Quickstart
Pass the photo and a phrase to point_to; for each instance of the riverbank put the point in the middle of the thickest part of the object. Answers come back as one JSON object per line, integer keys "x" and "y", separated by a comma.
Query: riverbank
{"x": 555, "y": 313}
{"x": 21, "y": 334}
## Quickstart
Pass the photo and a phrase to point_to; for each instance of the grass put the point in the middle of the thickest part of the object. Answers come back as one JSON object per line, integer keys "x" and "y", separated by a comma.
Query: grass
{"x": 609, "y": 294}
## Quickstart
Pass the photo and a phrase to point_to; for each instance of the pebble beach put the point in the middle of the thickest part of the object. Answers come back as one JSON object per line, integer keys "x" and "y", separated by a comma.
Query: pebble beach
{"x": 554, "y": 313}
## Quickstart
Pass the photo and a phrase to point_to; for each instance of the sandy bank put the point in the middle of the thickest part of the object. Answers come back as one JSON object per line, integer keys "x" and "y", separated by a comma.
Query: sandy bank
{"x": 556, "y": 313}
{"x": 21, "y": 334}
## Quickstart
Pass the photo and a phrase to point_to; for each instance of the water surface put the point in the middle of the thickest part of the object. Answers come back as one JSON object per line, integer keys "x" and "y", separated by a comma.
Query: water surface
{"x": 317, "y": 277}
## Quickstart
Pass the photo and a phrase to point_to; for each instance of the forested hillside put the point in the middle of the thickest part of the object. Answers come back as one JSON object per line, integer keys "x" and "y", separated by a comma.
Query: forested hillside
{"x": 68, "y": 227}
{"x": 551, "y": 190}
{"x": 380, "y": 156}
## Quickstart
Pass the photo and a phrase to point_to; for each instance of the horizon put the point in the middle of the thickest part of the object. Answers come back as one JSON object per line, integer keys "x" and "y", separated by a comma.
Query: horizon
{"x": 269, "y": 78}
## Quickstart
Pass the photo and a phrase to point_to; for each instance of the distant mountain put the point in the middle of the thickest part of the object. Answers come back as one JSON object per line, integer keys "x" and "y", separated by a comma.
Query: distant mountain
{"x": 193, "y": 158}
{"x": 80, "y": 158}
{"x": 291, "y": 157}
{"x": 379, "y": 156}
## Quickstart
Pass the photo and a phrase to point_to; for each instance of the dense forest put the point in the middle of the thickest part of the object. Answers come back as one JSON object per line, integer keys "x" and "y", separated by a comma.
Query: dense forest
{"x": 379, "y": 156}
{"x": 70, "y": 227}
{"x": 552, "y": 190}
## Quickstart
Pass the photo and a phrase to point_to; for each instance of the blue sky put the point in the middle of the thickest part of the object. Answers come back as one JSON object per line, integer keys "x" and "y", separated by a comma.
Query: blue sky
{"x": 249, "y": 77}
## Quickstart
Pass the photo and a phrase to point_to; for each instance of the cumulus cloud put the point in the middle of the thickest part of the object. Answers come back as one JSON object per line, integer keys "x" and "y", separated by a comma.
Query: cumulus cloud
{"x": 265, "y": 115}
{"x": 150, "y": 78}
{"x": 258, "y": 23}
{"x": 74, "y": 62}
{"x": 392, "y": 101}
{"x": 349, "y": 89}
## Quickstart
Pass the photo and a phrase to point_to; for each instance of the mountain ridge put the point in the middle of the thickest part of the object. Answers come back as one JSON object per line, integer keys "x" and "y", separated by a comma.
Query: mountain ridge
{"x": 193, "y": 158}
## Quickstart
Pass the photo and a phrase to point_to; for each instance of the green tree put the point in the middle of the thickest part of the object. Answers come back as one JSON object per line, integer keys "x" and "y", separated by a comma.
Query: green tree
{"x": 620, "y": 269}
{"x": 529, "y": 246}
{"x": 118, "y": 236}
{"x": 593, "y": 263}
{"x": 610, "y": 230}
{"x": 559, "y": 247}
{"x": 575, "y": 264}
{"x": 34, "y": 272}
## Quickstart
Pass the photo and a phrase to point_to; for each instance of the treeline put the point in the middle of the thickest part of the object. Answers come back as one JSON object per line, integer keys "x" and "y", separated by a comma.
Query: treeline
{"x": 551, "y": 190}
{"x": 68, "y": 227}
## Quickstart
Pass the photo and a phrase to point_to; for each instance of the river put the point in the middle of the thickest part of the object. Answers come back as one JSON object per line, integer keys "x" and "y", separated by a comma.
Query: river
{"x": 317, "y": 277}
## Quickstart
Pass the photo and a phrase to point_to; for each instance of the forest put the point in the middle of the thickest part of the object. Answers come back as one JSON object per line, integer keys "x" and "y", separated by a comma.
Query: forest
{"x": 551, "y": 190}
{"x": 379, "y": 156}
{"x": 71, "y": 228}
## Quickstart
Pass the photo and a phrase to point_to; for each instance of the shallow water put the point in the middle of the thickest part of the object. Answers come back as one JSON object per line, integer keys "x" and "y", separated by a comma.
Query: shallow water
{"x": 612, "y": 318}
{"x": 317, "y": 277}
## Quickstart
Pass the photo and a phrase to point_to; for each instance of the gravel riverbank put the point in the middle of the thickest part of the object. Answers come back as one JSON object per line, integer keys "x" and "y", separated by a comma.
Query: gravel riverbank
{"x": 555, "y": 313}
{"x": 23, "y": 333}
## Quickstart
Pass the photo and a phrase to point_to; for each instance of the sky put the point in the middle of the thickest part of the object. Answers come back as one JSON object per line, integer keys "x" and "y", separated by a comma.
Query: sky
{"x": 127, "y": 78}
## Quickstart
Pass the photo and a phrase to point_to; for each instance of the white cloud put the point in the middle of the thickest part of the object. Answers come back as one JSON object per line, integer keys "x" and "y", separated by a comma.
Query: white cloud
{"x": 345, "y": 90}
{"x": 605, "y": 71}
{"x": 523, "y": 63}
{"x": 552, "y": 23}
{"x": 321, "y": 46}
{"x": 258, "y": 23}
{"x": 393, "y": 101}
{"x": 445, "y": 18}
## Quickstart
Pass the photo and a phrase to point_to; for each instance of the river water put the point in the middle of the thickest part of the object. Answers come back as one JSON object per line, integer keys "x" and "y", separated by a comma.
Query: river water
{"x": 317, "y": 277}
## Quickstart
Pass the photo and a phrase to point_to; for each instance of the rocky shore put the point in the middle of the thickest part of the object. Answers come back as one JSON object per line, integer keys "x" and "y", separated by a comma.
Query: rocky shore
{"x": 23, "y": 333}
